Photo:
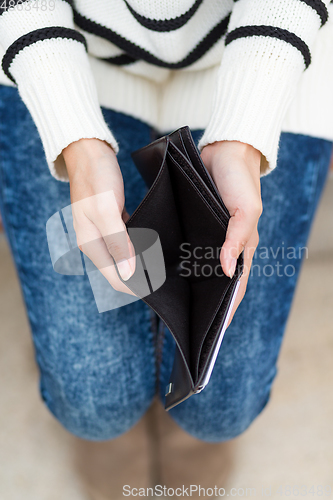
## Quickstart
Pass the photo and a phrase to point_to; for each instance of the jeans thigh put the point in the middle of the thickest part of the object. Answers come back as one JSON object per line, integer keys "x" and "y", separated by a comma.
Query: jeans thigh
{"x": 246, "y": 365}
{"x": 97, "y": 370}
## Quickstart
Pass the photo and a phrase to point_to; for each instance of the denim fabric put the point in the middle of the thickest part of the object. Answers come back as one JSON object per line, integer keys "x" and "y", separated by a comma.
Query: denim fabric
{"x": 100, "y": 372}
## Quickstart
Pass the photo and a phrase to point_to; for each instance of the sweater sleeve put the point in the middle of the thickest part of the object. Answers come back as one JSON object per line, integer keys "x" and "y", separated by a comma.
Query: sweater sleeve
{"x": 47, "y": 59}
{"x": 267, "y": 48}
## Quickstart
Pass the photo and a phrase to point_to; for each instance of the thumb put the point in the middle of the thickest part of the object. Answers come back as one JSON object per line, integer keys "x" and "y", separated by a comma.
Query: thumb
{"x": 238, "y": 234}
{"x": 121, "y": 248}
{"x": 103, "y": 235}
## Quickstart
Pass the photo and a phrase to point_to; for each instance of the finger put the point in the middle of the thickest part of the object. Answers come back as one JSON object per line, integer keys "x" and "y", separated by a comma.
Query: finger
{"x": 104, "y": 212}
{"x": 112, "y": 227}
{"x": 125, "y": 215}
{"x": 97, "y": 252}
{"x": 248, "y": 258}
{"x": 239, "y": 298}
{"x": 121, "y": 248}
{"x": 240, "y": 228}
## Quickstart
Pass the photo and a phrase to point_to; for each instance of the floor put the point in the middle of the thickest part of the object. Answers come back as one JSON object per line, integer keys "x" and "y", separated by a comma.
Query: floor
{"x": 290, "y": 444}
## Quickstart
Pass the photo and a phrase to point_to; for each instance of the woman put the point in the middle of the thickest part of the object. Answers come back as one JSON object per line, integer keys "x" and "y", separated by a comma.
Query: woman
{"x": 238, "y": 73}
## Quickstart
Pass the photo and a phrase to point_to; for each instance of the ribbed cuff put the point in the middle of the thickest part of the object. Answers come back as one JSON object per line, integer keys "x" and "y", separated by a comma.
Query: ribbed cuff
{"x": 55, "y": 82}
{"x": 254, "y": 87}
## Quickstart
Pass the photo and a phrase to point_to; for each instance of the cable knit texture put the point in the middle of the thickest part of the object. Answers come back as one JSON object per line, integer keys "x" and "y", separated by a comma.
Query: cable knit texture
{"x": 242, "y": 70}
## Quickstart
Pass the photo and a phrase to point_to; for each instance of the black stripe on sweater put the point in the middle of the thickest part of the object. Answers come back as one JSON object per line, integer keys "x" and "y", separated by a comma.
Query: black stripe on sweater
{"x": 138, "y": 52}
{"x": 120, "y": 60}
{"x": 165, "y": 24}
{"x": 320, "y": 8}
{"x": 271, "y": 31}
{"x": 35, "y": 36}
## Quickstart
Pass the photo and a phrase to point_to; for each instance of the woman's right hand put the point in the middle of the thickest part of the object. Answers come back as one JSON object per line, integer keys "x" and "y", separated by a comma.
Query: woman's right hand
{"x": 99, "y": 215}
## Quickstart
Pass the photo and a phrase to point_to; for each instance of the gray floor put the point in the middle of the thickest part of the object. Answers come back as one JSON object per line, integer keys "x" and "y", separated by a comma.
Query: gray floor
{"x": 291, "y": 443}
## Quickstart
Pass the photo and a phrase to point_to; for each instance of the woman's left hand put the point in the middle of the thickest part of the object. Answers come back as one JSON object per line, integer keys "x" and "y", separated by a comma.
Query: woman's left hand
{"x": 235, "y": 169}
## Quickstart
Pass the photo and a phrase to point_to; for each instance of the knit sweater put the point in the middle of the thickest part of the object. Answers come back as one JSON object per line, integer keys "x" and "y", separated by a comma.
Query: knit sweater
{"x": 238, "y": 69}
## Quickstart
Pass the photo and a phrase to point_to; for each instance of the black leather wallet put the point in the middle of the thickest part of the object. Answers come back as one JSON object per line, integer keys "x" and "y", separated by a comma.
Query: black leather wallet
{"x": 185, "y": 209}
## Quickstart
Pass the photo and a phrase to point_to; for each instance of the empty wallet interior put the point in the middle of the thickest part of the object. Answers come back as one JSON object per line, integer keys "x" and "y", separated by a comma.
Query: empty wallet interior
{"x": 191, "y": 223}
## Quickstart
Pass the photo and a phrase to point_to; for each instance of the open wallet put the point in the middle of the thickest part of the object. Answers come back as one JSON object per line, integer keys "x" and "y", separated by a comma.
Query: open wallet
{"x": 184, "y": 208}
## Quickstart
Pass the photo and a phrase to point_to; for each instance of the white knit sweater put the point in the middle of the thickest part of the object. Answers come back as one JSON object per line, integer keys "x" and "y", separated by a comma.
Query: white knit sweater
{"x": 241, "y": 70}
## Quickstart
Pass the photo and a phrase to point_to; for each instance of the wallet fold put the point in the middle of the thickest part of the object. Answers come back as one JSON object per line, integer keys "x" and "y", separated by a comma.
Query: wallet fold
{"x": 185, "y": 209}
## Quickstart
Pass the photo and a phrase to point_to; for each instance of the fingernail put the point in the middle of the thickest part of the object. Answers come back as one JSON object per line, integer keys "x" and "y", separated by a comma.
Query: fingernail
{"x": 124, "y": 269}
{"x": 232, "y": 267}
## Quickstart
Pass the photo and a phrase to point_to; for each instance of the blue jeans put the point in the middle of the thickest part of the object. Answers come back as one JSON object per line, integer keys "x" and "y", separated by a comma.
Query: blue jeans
{"x": 100, "y": 372}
